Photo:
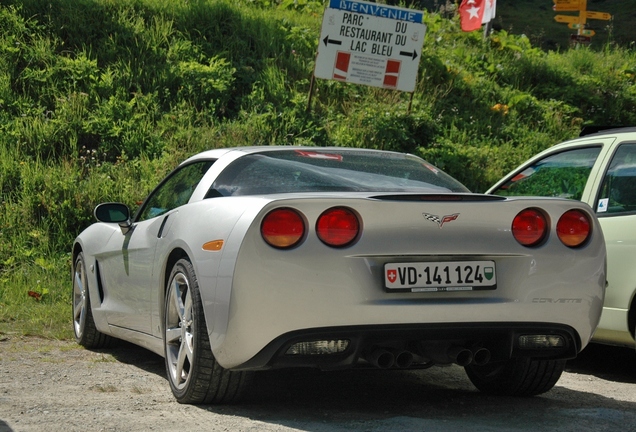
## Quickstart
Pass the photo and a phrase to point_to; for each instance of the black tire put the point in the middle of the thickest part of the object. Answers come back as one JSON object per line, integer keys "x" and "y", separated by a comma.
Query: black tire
{"x": 516, "y": 377}
{"x": 195, "y": 376}
{"x": 86, "y": 333}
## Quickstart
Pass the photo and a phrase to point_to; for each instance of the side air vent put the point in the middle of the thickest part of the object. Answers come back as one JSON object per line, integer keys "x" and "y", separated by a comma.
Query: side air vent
{"x": 100, "y": 286}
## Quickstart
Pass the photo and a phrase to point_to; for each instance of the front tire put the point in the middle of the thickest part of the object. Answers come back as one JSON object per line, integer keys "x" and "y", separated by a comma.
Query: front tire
{"x": 86, "y": 333}
{"x": 195, "y": 376}
{"x": 516, "y": 377}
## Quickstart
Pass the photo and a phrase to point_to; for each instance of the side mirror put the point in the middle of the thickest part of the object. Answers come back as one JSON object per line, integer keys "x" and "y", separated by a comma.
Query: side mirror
{"x": 114, "y": 213}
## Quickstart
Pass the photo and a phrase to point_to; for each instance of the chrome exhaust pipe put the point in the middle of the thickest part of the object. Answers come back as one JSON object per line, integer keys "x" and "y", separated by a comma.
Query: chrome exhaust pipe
{"x": 459, "y": 355}
{"x": 381, "y": 358}
{"x": 481, "y": 356}
{"x": 403, "y": 359}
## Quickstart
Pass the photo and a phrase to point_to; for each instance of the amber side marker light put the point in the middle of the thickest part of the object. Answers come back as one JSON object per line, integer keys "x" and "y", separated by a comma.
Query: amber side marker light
{"x": 214, "y": 245}
{"x": 574, "y": 228}
{"x": 283, "y": 228}
{"x": 530, "y": 227}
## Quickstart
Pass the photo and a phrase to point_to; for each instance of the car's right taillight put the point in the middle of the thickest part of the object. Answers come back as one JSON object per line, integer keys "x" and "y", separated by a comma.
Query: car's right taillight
{"x": 283, "y": 228}
{"x": 530, "y": 227}
{"x": 338, "y": 227}
{"x": 574, "y": 228}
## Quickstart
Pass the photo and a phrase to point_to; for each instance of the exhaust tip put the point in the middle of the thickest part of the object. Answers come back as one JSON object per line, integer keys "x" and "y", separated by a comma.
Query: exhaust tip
{"x": 403, "y": 359}
{"x": 460, "y": 356}
{"x": 481, "y": 356}
{"x": 381, "y": 358}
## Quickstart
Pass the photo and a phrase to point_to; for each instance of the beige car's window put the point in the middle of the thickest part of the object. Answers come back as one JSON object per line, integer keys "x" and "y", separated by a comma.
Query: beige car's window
{"x": 561, "y": 175}
{"x": 618, "y": 191}
{"x": 175, "y": 190}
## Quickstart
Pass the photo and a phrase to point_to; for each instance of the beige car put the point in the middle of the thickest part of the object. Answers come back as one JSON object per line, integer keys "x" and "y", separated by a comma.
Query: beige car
{"x": 599, "y": 169}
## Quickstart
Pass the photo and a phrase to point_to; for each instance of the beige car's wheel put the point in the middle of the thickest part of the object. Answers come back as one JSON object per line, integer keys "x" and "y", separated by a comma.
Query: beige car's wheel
{"x": 195, "y": 376}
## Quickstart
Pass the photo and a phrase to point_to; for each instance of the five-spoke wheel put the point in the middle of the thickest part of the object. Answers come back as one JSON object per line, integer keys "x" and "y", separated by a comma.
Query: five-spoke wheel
{"x": 193, "y": 372}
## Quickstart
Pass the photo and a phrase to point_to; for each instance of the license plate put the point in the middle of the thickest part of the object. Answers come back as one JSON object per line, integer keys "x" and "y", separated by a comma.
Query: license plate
{"x": 440, "y": 276}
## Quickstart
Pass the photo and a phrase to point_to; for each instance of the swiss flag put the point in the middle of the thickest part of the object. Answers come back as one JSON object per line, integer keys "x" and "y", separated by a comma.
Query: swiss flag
{"x": 474, "y": 13}
{"x": 490, "y": 7}
{"x": 391, "y": 275}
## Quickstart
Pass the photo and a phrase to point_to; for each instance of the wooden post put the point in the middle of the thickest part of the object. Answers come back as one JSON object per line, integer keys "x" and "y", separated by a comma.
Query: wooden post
{"x": 311, "y": 91}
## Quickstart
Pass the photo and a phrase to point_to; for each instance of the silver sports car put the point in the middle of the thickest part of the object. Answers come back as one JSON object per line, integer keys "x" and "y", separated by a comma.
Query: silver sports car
{"x": 255, "y": 258}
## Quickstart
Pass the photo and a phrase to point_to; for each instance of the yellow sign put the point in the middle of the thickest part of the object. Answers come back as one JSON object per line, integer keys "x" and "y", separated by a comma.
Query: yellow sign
{"x": 588, "y": 32}
{"x": 597, "y": 15}
{"x": 575, "y": 26}
{"x": 567, "y": 19}
{"x": 566, "y": 7}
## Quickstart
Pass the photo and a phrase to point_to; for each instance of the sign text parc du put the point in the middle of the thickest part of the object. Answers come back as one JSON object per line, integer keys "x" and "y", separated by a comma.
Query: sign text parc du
{"x": 371, "y": 44}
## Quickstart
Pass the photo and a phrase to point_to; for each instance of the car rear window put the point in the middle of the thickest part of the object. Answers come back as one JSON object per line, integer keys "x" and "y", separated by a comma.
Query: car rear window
{"x": 331, "y": 171}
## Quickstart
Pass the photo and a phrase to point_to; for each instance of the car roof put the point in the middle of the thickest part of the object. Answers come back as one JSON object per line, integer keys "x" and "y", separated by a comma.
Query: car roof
{"x": 587, "y": 136}
{"x": 605, "y": 130}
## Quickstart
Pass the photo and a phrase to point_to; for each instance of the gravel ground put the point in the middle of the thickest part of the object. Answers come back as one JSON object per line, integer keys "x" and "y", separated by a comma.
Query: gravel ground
{"x": 51, "y": 386}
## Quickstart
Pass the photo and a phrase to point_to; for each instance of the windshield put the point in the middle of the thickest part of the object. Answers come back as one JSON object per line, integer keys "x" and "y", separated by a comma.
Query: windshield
{"x": 331, "y": 170}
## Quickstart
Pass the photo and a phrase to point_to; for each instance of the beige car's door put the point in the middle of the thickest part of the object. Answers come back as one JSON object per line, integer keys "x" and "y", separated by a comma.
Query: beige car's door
{"x": 615, "y": 205}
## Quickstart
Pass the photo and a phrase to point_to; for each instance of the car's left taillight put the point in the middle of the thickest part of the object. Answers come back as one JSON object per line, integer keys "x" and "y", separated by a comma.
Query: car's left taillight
{"x": 574, "y": 228}
{"x": 530, "y": 227}
{"x": 283, "y": 228}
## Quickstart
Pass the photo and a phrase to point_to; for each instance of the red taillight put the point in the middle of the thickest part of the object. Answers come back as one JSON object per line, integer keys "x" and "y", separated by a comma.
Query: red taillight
{"x": 530, "y": 227}
{"x": 338, "y": 227}
{"x": 573, "y": 228}
{"x": 283, "y": 228}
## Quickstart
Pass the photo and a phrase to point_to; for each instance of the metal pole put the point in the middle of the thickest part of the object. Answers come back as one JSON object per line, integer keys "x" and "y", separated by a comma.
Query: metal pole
{"x": 487, "y": 28}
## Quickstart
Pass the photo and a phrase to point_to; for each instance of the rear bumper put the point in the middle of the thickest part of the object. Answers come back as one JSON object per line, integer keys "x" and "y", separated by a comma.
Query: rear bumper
{"x": 425, "y": 342}
{"x": 275, "y": 302}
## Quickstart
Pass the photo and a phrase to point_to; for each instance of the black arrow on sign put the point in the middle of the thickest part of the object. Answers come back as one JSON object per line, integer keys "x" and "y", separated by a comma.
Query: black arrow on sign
{"x": 331, "y": 41}
{"x": 409, "y": 54}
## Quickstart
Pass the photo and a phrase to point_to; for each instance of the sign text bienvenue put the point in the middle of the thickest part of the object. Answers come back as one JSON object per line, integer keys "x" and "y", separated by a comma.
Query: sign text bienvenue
{"x": 378, "y": 10}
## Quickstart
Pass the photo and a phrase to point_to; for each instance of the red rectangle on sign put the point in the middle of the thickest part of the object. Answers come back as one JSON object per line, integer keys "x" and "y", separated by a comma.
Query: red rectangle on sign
{"x": 342, "y": 61}
{"x": 392, "y": 66}
{"x": 390, "y": 80}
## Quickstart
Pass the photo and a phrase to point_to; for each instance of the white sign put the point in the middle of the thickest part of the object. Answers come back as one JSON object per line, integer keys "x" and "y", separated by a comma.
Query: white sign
{"x": 371, "y": 44}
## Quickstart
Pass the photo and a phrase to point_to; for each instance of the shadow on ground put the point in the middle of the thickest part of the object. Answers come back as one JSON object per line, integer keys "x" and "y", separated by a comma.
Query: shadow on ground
{"x": 436, "y": 399}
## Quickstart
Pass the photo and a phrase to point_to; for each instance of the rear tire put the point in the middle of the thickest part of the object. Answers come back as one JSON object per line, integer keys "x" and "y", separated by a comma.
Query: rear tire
{"x": 86, "y": 333}
{"x": 195, "y": 376}
{"x": 516, "y": 377}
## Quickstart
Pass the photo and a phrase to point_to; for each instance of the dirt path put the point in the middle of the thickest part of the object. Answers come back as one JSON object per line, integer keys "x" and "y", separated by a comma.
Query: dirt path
{"x": 58, "y": 386}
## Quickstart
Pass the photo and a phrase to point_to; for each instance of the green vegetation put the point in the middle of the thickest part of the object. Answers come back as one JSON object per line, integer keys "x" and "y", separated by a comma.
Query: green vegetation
{"x": 99, "y": 99}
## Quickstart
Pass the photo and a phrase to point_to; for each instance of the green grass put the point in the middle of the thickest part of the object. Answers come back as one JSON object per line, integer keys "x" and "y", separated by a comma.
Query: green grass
{"x": 36, "y": 300}
{"x": 99, "y": 99}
